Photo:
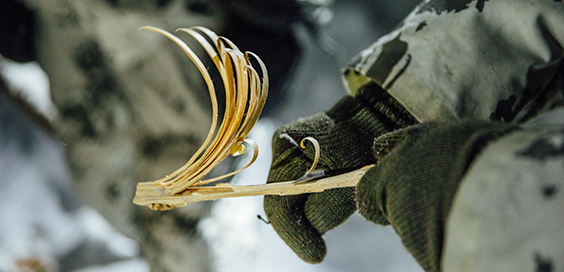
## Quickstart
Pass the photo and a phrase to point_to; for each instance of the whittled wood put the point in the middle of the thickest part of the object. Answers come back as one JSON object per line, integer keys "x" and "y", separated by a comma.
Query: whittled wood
{"x": 245, "y": 97}
{"x": 153, "y": 195}
{"x": 245, "y": 94}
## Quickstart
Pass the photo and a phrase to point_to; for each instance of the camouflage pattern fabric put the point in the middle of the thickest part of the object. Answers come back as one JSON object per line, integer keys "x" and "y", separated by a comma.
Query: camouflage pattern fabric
{"x": 492, "y": 60}
{"x": 507, "y": 214}
{"x": 130, "y": 110}
{"x": 485, "y": 59}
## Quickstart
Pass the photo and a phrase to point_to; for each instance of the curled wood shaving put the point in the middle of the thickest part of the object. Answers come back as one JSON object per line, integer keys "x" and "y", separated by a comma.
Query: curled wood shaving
{"x": 245, "y": 93}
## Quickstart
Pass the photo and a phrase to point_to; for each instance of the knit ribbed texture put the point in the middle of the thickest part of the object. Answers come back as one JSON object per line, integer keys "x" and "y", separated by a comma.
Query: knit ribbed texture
{"x": 413, "y": 187}
{"x": 346, "y": 136}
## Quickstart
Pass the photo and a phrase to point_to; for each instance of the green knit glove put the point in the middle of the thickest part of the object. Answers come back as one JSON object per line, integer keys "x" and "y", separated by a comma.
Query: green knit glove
{"x": 346, "y": 135}
{"x": 413, "y": 187}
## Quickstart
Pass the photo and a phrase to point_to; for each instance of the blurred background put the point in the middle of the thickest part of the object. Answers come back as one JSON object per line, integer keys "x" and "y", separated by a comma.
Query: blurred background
{"x": 89, "y": 106}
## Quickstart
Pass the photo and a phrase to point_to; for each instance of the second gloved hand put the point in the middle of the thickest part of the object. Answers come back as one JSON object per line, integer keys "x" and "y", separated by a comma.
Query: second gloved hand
{"x": 412, "y": 188}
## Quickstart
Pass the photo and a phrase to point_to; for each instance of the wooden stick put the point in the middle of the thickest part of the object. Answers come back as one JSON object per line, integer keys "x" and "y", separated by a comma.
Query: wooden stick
{"x": 152, "y": 195}
{"x": 245, "y": 97}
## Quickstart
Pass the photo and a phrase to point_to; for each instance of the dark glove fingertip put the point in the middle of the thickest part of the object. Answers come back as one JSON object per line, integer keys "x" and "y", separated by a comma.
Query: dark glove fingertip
{"x": 288, "y": 219}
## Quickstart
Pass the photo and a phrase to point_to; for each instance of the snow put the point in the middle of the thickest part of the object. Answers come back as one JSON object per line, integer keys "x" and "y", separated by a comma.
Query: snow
{"x": 41, "y": 220}
{"x": 31, "y": 82}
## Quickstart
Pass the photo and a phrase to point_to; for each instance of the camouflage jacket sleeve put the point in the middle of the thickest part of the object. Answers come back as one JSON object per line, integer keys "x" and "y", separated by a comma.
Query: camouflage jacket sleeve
{"x": 487, "y": 59}
{"x": 507, "y": 213}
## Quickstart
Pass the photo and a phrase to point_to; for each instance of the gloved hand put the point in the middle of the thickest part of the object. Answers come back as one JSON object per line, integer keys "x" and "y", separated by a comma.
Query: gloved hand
{"x": 346, "y": 135}
{"x": 412, "y": 188}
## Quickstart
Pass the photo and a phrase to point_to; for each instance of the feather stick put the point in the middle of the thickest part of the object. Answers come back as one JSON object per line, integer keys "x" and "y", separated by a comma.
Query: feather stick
{"x": 245, "y": 92}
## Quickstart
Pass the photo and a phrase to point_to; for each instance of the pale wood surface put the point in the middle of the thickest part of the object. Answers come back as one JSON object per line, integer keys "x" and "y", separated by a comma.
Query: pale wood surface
{"x": 152, "y": 195}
